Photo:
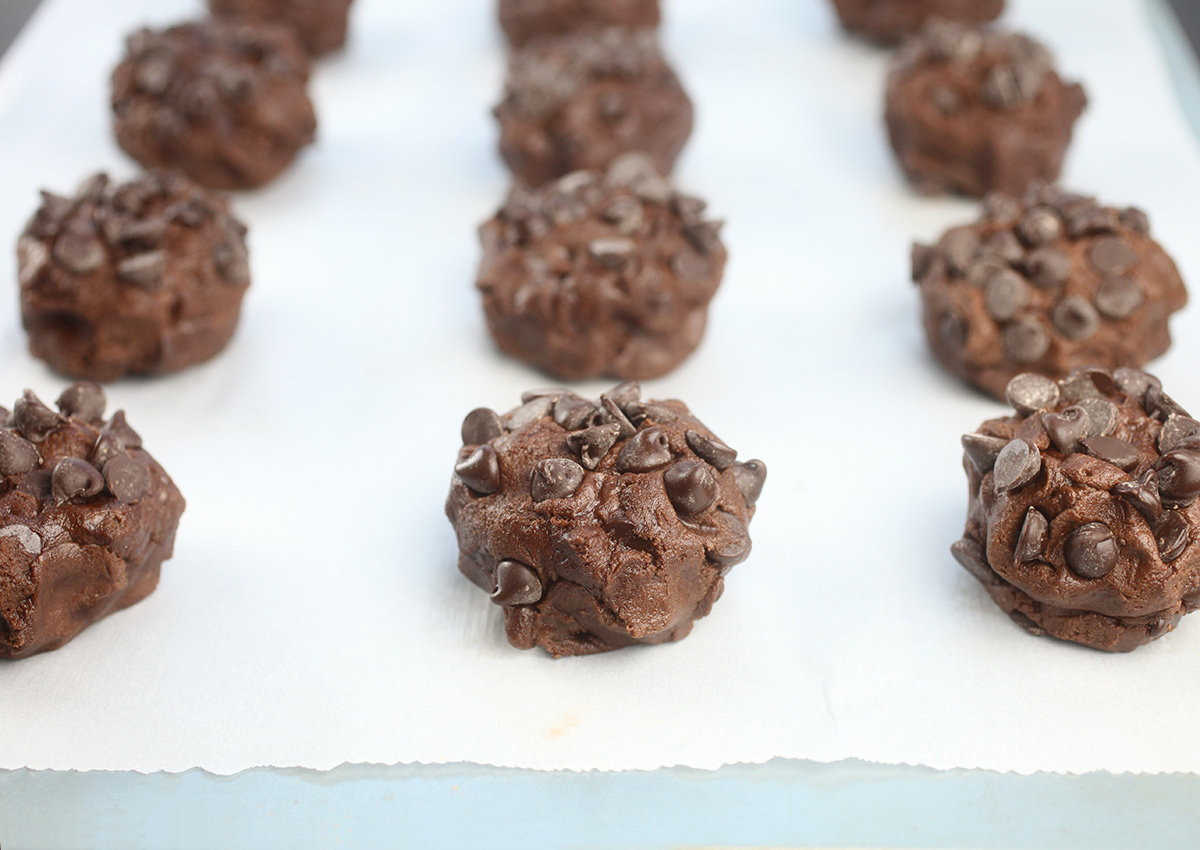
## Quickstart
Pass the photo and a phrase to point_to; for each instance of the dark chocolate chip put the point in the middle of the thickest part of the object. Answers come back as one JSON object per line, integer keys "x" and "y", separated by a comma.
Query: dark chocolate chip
{"x": 1117, "y": 452}
{"x": 1091, "y": 551}
{"x": 480, "y": 470}
{"x": 1004, "y": 245}
{"x": 1179, "y": 477}
{"x": 1093, "y": 220}
{"x": 644, "y": 451}
{"x": 921, "y": 259}
{"x": 1028, "y": 393}
{"x": 142, "y": 233}
{"x": 152, "y": 73}
{"x": 481, "y": 425}
{"x": 1142, "y": 493}
{"x": 624, "y": 213}
{"x": 1000, "y": 207}
{"x": 624, "y": 395}
{"x": 84, "y": 400}
{"x": 119, "y": 428}
{"x": 1031, "y": 542}
{"x": 953, "y": 330}
{"x": 144, "y": 270}
{"x": 1048, "y": 268}
{"x": 1087, "y": 382}
{"x": 749, "y": 478}
{"x": 1068, "y": 428}
{"x": 555, "y": 478}
{"x": 690, "y": 486}
{"x": 1135, "y": 220}
{"x": 704, "y": 236}
{"x": 1172, "y": 536}
{"x": 1005, "y": 295}
{"x": 982, "y": 450}
{"x": 528, "y": 413}
{"x": 960, "y": 248}
{"x": 984, "y": 269}
{"x": 92, "y": 188}
{"x": 1118, "y": 298}
{"x": 1177, "y": 432}
{"x": 75, "y": 479}
{"x": 1103, "y": 416}
{"x": 612, "y": 253}
{"x": 973, "y": 559}
{"x": 731, "y": 554}
{"x": 33, "y": 419}
{"x": 1134, "y": 382}
{"x": 1039, "y": 226}
{"x": 1112, "y": 255}
{"x": 544, "y": 392}
{"x": 79, "y": 250}
{"x": 1158, "y": 404}
{"x": 711, "y": 449}
{"x": 1000, "y": 88}
{"x": 572, "y": 412}
{"x": 107, "y": 447}
{"x": 1025, "y": 340}
{"x": 1016, "y": 465}
{"x": 126, "y": 479}
{"x": 592, "y": 444}
{"x": 1075, "y": 318}
{"x": 611, "y": 414}
{"x": 232, "y": 261}
{"x": 516, "y": 584}
{"x": 643, "y": 410}
{"x": 17, "y": 456}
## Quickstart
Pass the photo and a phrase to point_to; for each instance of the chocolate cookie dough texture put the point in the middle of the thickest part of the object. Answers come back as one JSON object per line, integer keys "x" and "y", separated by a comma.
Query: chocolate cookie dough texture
{"x": 1083, "y": 520}
{"x": 320, "y": 25}
{"x": 600, "y": 274}
{"x": 224, "y": 102}
{"x": 86, "y": 519}
{"x": 525, "y": 20}
{"x": 582, "y": 100}
{"x": 137, "y": 278}
{"x": 598, "y": 525}
{"x": 1046, "y": 284}
{"x": 972, "y": 111}
{"x": 890, "y": 21}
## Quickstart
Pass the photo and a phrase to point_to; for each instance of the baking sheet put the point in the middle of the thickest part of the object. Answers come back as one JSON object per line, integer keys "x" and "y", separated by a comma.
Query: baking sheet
{"x": 313, "y": 614}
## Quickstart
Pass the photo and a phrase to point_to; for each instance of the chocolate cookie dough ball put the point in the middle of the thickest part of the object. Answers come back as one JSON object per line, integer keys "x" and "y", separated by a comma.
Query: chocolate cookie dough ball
{"x": 890, "y": 21}
{"x": 226, "y": 103}
{"x": 582, "y": 100}
{"x": 319, "y": 24}
{"x": 1083, "y": 517}
{"x": 598, "y": 525}
{"x": 86, "y": 519}
{"x": 600, "y": 274}
{"x": 524, "y": 20}
{"x": 1044, "y": 285}
{"x": 139, "y": 278}
{"x": 973, "y": 111}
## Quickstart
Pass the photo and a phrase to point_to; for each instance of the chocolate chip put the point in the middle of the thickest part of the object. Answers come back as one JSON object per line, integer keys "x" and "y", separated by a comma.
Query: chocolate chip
{"x": 732, "y": 553}
{"x": 480, "y": 470}
{"x": 611, "y": 414}
{"x": 1093, "y": 220}
{"x": 572, "y": 412}
{"x": 690, "y": 210}
{"x": 711, "y": 449}
{"x": 92, "y": 188}
{"x": 1117, "y": 452}
{"x": 659, "y": 413}
{"x": 921, "y": 259}
{"x": 624, "y": 395}
{"x": 79, "y": 250}
{"x": 1179, "y": 477}
{"x": 1040, "y": 226}
{"x": 984, "y": 269}
{"x": 152, "y": 73}
{"x": 1142, "y": 493}
{"x": 1103, "y": 416}
{"x": 1172, "y": 536}
{"x": 516, "y": 584}
{"x": 33, "y": 419}
{"x": 1025, "y": 340}
{"x": 982, "y": 450}
{"x": 612, "y": 253}
{"x": 1158, "y": 404}
{"x": 953, "y": 330}
{"x": 1016, "y": 465}
{"x": 1135, "y": 220}
{"x": 232, "y": 261}
{"x": 1005, "y": 246}
{"x": 17, "y": 456}
{"x": 592, "y": 444}
{"x": 107, "y": 447}
{"x": 1134, "y": 382}
{"x": 126, "y": 479}
{"x": 528, "y": 412}
{"x": 644, "y": 451}
{"x": 999, "y": 207}
{"x": 749, "y": 478}
{"x": 75, "y": 479}
{"x": 144, "y": 233}
{"x": 1029, "y": 393}
{"x": 1118, "y": 297}
{"x": 32, "y": 257}
{"x": 555, "y": 478}
{"x": 624, "y": 213}
{"x": 119, "y": 428}
{"x": 1087, "y": 382}
{"x": 84, "y": 400}
{"x": 481, "y": 425}
{"x": 1068, "y": 428}
{"x": 945, "y": 99}
{"x": 1075, "y": 318}
{"x": 143, "y": 270}
{"x": 1091, "y": 551}
{"x": 1048, "y": 268}
{"x": 1112, "y": 256}
{"x": 690, "y": 486}
{"x": 1177, "y": 432}
{"x": 960, "y": 247}
{"x": 1031, "y": 542}
{"x": 544, "y": 392}
{"x": 973, "y": 559}
{"x": 705, "y": 236}
{"x": 1000, "y": 88}
{"x": 1005, "y": 295}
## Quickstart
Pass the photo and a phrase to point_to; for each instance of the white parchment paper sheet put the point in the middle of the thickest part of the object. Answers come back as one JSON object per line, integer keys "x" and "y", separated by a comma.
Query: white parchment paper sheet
{"x": 313, "y": 614}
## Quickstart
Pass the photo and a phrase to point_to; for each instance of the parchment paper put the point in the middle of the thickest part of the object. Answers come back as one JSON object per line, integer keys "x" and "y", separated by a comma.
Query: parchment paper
{"x": 313, "y": 614}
